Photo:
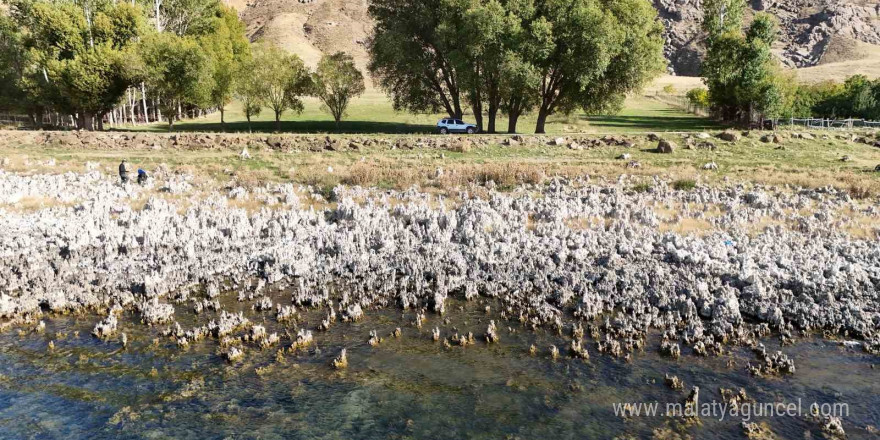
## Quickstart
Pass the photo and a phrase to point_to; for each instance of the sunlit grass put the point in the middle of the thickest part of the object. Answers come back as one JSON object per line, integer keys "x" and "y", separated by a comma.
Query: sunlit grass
{"x": 373, "y": 113}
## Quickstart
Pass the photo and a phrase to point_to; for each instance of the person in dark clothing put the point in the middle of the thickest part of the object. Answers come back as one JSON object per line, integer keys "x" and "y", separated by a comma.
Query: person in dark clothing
{"x": 123, "y": 171}
{"x": 142, "y": 176}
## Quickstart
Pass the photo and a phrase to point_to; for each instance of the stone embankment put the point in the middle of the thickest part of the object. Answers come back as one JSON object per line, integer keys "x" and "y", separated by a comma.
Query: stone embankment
{"x": 315, "y": 142}
{"x": 569, "y": 255}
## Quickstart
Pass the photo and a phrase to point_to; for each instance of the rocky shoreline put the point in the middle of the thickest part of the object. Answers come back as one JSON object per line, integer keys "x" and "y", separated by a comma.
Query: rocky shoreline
{"x": 591, "y": 261}
{"x": 114, "y": 141}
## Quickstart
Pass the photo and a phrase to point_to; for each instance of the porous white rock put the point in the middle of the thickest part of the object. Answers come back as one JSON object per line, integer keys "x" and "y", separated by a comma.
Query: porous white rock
{"x": 539, "y": 251}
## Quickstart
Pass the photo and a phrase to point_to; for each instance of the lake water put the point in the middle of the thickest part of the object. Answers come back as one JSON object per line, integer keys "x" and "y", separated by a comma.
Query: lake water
{"x": 406, "y": 388}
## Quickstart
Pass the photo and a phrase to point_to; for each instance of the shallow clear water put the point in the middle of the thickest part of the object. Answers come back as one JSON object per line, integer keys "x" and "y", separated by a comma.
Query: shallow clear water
{"x": 409, "y": 387}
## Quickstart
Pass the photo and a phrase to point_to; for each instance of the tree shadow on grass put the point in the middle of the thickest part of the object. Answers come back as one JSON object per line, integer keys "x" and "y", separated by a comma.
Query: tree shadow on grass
{"x": 673, "y": 122}
{"x": 329, "y": 127}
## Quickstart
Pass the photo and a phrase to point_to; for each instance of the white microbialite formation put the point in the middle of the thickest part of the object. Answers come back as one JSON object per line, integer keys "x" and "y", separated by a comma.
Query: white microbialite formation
{"x": 565, "y": 255}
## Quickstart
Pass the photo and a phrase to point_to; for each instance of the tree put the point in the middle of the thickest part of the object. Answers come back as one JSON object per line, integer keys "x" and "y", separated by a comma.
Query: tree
{"x": 285, "y": 78}
{"x": 249, "y": 89}
{"x": 722, "y": 17}
{"x": 409, "y": 55}
{"x": 78, "y": 54}
{"x": 13, "y": 59}
{"x": 601, "y": 50}
{"x": 228, "y": 47}
{"x": 482, "y": 30}
{"x": 518, "y": 88}
{"x": 178, "y": 71}
{"x": 183, "y": 17}
{"x": 742, "y": 76}
{"x": 336, "y": 81}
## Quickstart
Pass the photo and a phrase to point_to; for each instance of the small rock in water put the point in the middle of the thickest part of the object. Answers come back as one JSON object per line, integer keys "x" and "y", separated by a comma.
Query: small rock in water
{"x": 341, "y": 361}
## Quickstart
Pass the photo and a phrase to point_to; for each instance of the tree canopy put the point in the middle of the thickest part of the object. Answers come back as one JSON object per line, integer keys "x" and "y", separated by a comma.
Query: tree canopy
{"x": 284, "y": 77}
{"x": 512, "y": 55}
{"x": 178, "y": 71}
{"x": 743, "y": 78}
{"x": 336, "y": 81}
{"x": 75, "y": 55}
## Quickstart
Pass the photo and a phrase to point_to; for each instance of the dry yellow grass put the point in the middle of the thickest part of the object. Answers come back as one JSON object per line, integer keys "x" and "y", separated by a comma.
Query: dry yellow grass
{"x": 868, "y": 65}
{"x": 34, "y": 203}
{"x": 687, "y": 226}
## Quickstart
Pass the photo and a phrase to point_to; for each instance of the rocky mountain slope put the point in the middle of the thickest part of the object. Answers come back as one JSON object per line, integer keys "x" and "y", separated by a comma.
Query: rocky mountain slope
{"x": 813, "y": 31}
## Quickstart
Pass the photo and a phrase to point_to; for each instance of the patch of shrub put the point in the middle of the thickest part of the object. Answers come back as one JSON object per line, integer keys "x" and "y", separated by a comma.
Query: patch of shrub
{"x": 642, "y": 187}
{"x": 684, "y": 184}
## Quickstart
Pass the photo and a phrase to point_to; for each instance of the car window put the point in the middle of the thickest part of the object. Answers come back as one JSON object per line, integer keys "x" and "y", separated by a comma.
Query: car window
{"x": 444, "y": 121}
{"x": 458, "y": 122}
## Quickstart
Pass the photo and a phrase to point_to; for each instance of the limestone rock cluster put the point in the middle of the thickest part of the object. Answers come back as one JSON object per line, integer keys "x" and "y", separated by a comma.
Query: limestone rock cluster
{"x": 527, "y": 249}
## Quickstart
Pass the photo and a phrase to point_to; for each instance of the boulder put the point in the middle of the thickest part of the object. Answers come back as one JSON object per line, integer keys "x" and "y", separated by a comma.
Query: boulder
{"x": 665, "y": 146}
{"x": 707, "y": 146}
{"x": 771, "y": 138}
{"x": 461, "y": 146}
{"x": 729, "y": 136}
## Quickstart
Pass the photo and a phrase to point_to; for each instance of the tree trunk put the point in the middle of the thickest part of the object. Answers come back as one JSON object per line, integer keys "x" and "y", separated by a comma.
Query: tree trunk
{"x": 100, "y": 119}
{"x": 86, "y": 121}
{"x": 170, "y": 121}
{"x": 144, "y": 102}
{"x": 478, "y": 118}
{"x": 511, "y": 122}
{"x": 493, "y": 113}
{"x": 542, "y": 120}
{"x": 248, "y": 116}
{"x": 277, "y": 121}
{"x": 222, "y": 118}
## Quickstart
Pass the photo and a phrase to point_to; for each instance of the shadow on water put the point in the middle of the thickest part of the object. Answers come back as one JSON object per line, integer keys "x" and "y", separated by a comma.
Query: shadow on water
{"x": 371, "y": 127}
{"x": 408, "y": 387}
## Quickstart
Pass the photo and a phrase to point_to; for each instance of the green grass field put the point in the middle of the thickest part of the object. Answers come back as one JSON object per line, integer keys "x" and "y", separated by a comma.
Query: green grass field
{"x": 372, "y": 113}
{"x": 800, "y": 162}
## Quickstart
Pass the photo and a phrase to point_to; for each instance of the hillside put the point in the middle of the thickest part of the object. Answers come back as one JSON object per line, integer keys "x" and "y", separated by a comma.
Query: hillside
{"x": 814, "y": 32}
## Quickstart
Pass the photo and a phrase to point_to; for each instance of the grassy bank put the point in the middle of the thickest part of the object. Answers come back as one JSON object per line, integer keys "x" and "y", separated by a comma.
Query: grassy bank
{"x": 801, "y": 162}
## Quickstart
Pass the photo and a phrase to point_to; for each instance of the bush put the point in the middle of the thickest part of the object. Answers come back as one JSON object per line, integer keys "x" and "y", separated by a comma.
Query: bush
{"x": 642, "y": 187}
{"x": 684, "y": 185}
{"x": 698, "y": 97}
